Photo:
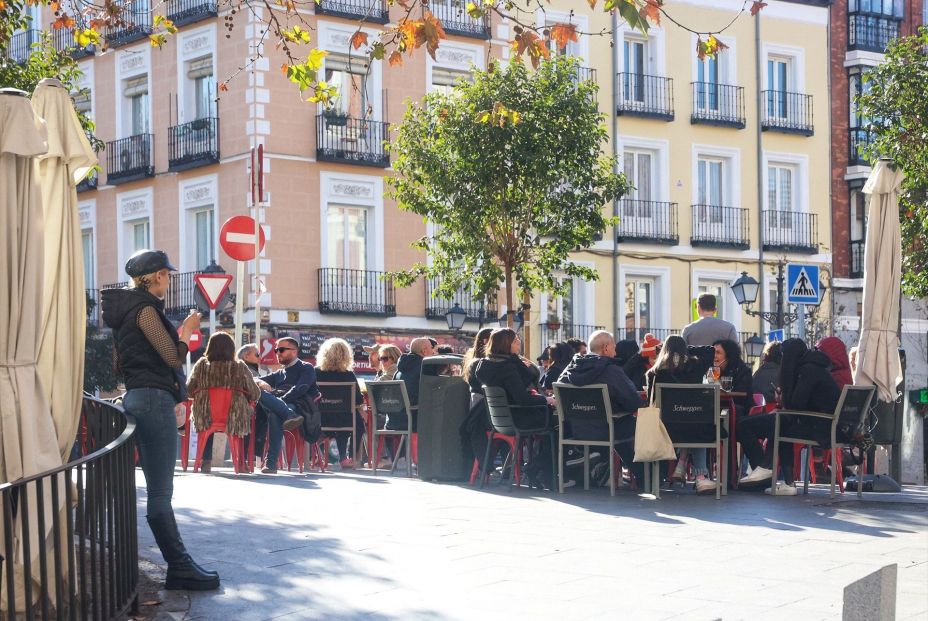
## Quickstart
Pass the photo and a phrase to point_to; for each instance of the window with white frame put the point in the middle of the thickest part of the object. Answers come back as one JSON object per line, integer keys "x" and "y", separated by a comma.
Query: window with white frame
{"x": 350, "y": 76}
{"x": 711, "y": 187}
{"x": 444, "y": 79}
{"x": 348, "y": 229}
{"x": 137, "y": 235}
{"x": 780, "y": 82}
{"x": 639, "y": 306}
{"x": 635, "y": 67}
{"x": 720, "y": 290}
{"x": 88, "y": 253}
{"x": 202, "y": 226}
{"x": 640, "y": 167}
{"x": 858, "y": 212}
{"x": 200, "y": 92}
{"x": 780, "y": 187}
{"x": 572, "y": 308}
{"x": 137, "y": 106}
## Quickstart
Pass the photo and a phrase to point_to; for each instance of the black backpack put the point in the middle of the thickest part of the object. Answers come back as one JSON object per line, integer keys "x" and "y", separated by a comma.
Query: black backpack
{"x": 312, "y": 417}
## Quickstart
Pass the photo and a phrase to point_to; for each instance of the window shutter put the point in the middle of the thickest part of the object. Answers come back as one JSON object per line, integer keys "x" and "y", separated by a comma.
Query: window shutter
{"x": 200, "y": 68}
{"x": 135, "y": 86}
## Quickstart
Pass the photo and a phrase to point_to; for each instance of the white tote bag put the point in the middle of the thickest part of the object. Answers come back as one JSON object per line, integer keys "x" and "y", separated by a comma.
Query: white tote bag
{"x": 652, "y": 442}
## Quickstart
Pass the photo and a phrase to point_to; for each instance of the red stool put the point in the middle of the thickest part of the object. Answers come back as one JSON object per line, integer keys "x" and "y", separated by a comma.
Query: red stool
{"x": 493, "y": 436}
{"x": 220, "y": 400}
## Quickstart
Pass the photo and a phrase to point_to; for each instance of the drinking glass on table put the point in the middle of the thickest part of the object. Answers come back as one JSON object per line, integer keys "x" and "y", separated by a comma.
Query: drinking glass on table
{"x": 716, "y": 374}
{"x": 726, "y": 383}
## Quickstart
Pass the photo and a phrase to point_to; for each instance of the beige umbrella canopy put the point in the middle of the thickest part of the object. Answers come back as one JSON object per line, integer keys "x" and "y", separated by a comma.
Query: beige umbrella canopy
{"x": 64, "y": 314}
{"x": 878, "y": 355}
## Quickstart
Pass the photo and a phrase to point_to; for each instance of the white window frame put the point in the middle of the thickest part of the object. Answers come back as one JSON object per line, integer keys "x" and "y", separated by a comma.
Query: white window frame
{"x": 731, "y": 172}
{"x": 454, "y": 56}
{"x": 585, "y": 315}
{"x": 87, "y": 216}
{"x": 579, "y": 49}
{"x": 733, "y": 312}
{"x": 131, "y": 63}
{"x": 661, "y": 302}
{"x": 193, "y": 45}
{"x": 800, "y": 164}
{"x": 656, "y": 47}
{"x": 336, "y": 38}
{"x": 193, "y": 195}
{"x": 797, "y": 58}
{"x": 660, "y": 166}
{"x": 86, "y": 81}
{"x": 141, "y": 201}
{"x": 727, "y": 59}
{"x": 343, "y": 189}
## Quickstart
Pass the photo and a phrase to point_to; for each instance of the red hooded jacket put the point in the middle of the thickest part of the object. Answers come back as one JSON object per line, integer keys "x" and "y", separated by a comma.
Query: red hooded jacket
{"x": 834, "y": 348}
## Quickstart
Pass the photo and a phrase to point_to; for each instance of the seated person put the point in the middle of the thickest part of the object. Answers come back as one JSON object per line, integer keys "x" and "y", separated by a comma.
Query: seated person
{"x": 766, "y": 378}
{"x": 728, "y": 359}
{"x": 560, "y": 355}
{"x": 638, "y": 364}
{"x": 333, "y": 364}
{"x": 409, "y": 369}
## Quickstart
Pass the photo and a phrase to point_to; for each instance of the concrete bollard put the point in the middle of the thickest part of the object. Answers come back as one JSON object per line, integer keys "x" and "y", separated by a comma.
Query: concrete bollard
{"x": 873, "y": 597}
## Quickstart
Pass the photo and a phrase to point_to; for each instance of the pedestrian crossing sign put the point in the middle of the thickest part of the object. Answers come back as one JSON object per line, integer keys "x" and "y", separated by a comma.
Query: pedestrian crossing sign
{"x": 802, "y": 284}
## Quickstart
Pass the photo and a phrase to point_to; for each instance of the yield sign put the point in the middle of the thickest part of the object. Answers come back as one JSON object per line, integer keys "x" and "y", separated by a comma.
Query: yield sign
{"x": 213, "y": 286}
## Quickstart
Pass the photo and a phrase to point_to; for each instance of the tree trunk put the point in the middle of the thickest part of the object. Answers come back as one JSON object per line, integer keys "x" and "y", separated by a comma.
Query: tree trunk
{"x": 509, "y": 285}
{"x": 526, "y": 325}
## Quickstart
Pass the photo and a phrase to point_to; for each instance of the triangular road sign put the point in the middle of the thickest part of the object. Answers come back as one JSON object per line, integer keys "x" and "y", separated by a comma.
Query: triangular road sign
{"x": 213, "y": 286}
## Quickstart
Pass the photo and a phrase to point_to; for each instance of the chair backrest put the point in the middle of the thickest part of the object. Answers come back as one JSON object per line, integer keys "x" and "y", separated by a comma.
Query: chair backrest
{"x": 689, "y": 411}
{"x": 853, "y": 405}
{"x": 337, "y": 397}
{"x": 587, "y": 410}
{"x": 500, "y": 413}
{"x": 220, "y": 400}
{"x": 388, "y": 397}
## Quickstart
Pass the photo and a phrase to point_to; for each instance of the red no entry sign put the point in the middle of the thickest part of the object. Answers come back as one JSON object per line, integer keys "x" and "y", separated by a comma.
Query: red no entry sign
{"x": 237, "y": 238}
{"x": 196, "y": 340}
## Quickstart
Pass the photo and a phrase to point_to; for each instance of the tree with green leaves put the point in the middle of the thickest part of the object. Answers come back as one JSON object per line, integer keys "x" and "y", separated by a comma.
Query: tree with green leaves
{"x": 510, "y": 171}
{"x": 893, "y": 99}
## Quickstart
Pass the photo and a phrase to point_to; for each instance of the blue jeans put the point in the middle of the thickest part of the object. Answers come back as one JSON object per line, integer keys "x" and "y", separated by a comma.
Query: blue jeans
{"x": 277, "y": 412}
{"x": 156, "y": 438}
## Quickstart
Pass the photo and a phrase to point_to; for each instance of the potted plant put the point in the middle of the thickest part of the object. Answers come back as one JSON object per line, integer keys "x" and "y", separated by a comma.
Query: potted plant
{"x": 335, "y": 117}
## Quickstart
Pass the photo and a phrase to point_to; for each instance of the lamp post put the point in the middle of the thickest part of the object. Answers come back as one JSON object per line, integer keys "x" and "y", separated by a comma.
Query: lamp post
{"x": 745, "y": 290}
{"x": 754, "y": 346}
{"x": 456, "y": 317}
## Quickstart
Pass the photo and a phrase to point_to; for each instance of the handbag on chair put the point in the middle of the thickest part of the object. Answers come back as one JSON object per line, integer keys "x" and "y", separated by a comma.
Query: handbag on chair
{"x": 652, "y": 442}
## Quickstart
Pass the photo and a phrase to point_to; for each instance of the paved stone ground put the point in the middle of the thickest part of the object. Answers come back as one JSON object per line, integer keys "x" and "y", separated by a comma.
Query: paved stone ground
{"x": 350, "y": 546}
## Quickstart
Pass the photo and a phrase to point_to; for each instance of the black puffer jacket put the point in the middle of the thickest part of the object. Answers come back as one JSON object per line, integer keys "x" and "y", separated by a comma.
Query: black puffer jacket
{"x": 510, "y": 374}
{"x": 741, "y": 381}
{"x": 693, "y": 370}
{"x": 814, "y": 390}
{"x": 595, "y": 369}
{"x": 551, "y": 375}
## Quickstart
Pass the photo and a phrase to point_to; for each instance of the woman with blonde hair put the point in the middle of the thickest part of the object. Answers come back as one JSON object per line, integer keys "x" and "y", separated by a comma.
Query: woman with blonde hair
{"x": 334, "y": 362}
{"x": 389, "y": 356}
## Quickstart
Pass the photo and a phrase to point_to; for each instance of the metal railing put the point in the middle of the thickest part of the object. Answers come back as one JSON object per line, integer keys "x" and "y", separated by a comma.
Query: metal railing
{"x": 435, "y": 307}
{"x": 720, "y": 227}
{"x": 128, "y": 159}
{"x": 637, "y": 335}
{"x": 341, "y": 138}
{"x": 857, "y": 258}
{"x": 455, "y": 20}
{"x": 20, "y": 46}
{"x": 647, "y": 221}
{"x": 179, "y": 299}
{"x": 74, "y": 527}
{"x": 356, "y": 292}
{"x": 871, "y": 33}
{"x": 64, "y": 42}
{"x": 93, "y": 303}
{"x": 135, "y": 21}
{"x": 858, "y": 141}
{"x": 552, "y": 333}
{"x": 791, "y": 231}
{"x": 370, "y": 10}
{"x": 718, "y": 104}
{"x": 88, "y": 183}
{"x": 787, "y": 112}
{"x": 183, "y": 12}
{"x": 193, "y": 144}
{"x": 645, "y": 95}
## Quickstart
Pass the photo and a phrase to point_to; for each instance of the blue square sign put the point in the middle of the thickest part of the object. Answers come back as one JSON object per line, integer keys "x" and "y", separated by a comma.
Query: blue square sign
{"x": 802, "y": 284}
{"x": 776, "y": 335}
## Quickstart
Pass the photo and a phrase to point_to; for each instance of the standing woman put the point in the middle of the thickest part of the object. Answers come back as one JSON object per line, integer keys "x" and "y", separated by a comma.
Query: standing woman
{"x": 149, "y": 354}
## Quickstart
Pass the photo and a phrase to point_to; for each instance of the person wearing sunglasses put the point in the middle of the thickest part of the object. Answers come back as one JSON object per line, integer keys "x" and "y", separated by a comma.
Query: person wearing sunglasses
{"x": 389, "y": 356}
{"x": 287, "y": 395}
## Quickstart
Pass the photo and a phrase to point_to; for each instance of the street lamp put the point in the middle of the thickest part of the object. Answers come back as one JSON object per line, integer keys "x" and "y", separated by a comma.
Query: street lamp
{"x": 745, "y": 291}
{"x": 754, "y": 346}
{"x": 456, "y": 317}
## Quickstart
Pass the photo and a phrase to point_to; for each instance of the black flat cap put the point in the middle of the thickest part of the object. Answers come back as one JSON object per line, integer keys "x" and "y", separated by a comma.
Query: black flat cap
{"x": 148, "y": 261}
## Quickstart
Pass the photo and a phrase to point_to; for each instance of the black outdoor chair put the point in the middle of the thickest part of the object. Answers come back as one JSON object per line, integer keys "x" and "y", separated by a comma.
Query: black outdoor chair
{"x": 848, "y": 418}
{"x": 504, "y": 423}
{"x": 585, "y": 418}
{"x": 692, "y": 416}
{"x": 339, "y": 399}
{"x": 390, "y": 399}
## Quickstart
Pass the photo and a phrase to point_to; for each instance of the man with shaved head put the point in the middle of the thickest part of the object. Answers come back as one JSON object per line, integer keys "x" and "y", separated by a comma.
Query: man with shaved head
{"x": 409, "y": 369}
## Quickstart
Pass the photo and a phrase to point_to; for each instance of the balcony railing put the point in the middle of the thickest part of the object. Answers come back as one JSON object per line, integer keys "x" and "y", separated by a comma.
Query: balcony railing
{"x": 858, "y": 140}
{"x": 356, "y": 292}
{"x": 370, "y": 10}
{"x": 179, "y": 299}
{"x": 645, "y": 95}
{"x": 135, "y": 23}
{"x": 93, "y": 307}
{"x": 790, "y": 231}
{"x": 552, "y": 333}
{"x": 436, "y": 307}
{"x": 193, "y": 144}
{"x": 20, "y": 46}
{"x": 352, "y": 141}
{"x": 637, "y": 334}
{"x": 88, "y": 183}
{"x": 720, "y": 227}
{"x": 857, "y": 258}
{"x": 718, "y": 104}
{"x": 787, "y": 112}
{"x": 189, "y": 11}
{"x": 648, "y": 222}
{"x": 129, "y": 159}
{"x": 64, "y": 42}
{"x": 455, "y": 20}
{"x": 871, "y": 33}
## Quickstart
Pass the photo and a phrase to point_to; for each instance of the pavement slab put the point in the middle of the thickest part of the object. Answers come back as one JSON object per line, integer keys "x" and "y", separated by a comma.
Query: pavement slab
{"x": 347, "y": 546}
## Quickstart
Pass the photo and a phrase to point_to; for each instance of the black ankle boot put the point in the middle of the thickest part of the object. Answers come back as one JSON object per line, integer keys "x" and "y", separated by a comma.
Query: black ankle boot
{"x": 183, "y": 571}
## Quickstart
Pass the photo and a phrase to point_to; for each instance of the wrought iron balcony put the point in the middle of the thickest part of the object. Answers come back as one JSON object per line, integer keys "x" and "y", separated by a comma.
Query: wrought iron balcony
{"x": 183, "y": 12}
{"x": 647, "y": 222}
{"x": 857, "y": 258}
{"x": 193, "y": 144}
{"x": 637, "y": 334}
{"x": 436, "y": 307}
{"x": 341, "y": 138}
{"x": 370, "y": 10}
{"x": 455, "y": 20}
{"x": 179, "y": 299}
{"x": 135, "y": 23}
{"x": 720, "y": 227}
{"x": 858, "y": 140}
{"x": 790, "y": 231}
{"x": 64, "y": 42}
{"x": 787, "y": 112}
{"x": 871, "y": 33}
{"x": 718, "y": 104}
{"x": 356, "y": 292}
{"x": 88, "y": 183}
{"x": 645, "y": 95}
{"x": 20, "y": 46}
{"x": 552, "y": 332}
{"x": 129, "y": 159}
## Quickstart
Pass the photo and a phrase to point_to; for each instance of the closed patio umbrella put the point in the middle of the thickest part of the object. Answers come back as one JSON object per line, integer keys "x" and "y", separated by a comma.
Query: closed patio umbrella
{"x": 64, "y": 314}
{"x": 878, "y": 354}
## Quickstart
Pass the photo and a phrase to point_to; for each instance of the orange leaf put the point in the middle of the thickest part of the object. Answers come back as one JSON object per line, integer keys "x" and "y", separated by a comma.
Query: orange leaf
{"x": 283, "y": 68}
{"x": 651, "y": 11}
{"x": 358, "y": 39}
{"x": 395, "y": 58}
{"x": 63, "y": 21}
{"x": 592, "y": 3}
{"x": 756, "y": 6}
{"x": 433, "y": 32}
{"x": 563, "y": 34}
{"x": 223, "y": 87}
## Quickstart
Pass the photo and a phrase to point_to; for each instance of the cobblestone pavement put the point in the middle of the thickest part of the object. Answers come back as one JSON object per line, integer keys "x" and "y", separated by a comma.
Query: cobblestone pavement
{"x": 350, "y": 546}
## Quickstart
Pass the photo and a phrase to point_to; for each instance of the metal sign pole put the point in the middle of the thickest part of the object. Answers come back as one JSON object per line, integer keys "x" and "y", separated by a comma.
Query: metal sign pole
{"x": 258, "y": 202}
